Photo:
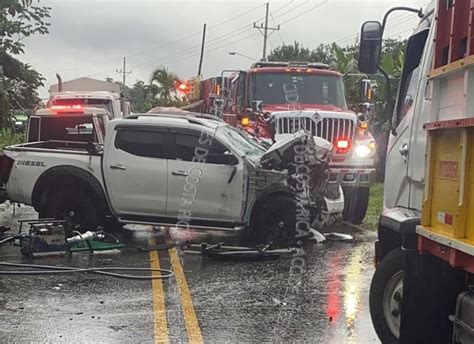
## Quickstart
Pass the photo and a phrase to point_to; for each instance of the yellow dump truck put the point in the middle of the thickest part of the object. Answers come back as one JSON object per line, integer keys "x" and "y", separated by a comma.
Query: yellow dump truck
{"x": 423, "y": 287}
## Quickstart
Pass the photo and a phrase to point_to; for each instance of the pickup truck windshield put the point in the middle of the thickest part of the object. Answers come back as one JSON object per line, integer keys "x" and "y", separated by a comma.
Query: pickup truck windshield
{"x": 284, "y": 88}
{"x": 240, "y": 140}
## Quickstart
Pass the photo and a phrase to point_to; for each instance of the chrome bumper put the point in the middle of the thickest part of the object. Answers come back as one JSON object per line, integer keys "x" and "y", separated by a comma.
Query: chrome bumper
{"x": 348, "y": 177}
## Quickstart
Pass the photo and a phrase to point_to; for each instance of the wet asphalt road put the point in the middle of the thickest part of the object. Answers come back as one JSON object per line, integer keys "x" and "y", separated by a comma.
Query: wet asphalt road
{"x": 326, "y": 301}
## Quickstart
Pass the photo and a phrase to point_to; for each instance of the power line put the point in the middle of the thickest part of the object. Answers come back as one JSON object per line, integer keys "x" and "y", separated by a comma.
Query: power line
{"x": 279, "y": 33}
{"x": 174, "y": 42}
{"x": 219, "y": 39}
{"x": 282, "y": 7}
{"x": 209, "y": 28}
{"x": 187, "y": 56}
{"x": 304, "y": 13}
{"x": 263, "y": 29}
{"x": 292, "y": 9}
{"x": 191, "y": 49}
{"x": 397, "y": 21}
{"x": 188, "y": 51}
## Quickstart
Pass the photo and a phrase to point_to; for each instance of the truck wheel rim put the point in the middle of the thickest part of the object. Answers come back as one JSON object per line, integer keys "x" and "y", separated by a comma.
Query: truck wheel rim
{"x": 392, "y": 302}
{"x": 73, "y": 211}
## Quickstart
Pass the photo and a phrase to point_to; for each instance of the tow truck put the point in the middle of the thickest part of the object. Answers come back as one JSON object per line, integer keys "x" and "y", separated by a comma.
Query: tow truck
{"x": 274, "y": 99}
{"x": 76, "y": 123}
{"x": 422, "y": 289}
{"x": 116, "y": 104}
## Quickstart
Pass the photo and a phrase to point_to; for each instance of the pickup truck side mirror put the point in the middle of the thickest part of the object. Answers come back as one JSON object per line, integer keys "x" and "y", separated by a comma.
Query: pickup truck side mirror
{"x": 370, "y": 47}
{"x": 229, "y": 158}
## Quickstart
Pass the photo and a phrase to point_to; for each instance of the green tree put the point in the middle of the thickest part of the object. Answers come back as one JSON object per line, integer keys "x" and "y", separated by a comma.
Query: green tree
{"x": 288, "y": 52}
{"x": 164, "y": 81}
{"x": 18, "y": 81}
{"x": 323, "y": 53}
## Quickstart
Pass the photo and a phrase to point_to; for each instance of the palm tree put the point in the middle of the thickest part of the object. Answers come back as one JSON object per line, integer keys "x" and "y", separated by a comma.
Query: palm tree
{"x": 162, "y": 83}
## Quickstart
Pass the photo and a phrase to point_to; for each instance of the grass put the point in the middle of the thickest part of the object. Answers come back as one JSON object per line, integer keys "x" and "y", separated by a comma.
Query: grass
{"x": 375, "y": 207}
{"x": 8, "y": 137}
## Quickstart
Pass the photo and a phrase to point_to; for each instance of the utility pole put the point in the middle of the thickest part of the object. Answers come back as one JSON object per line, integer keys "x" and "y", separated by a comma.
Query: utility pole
{"x": 265, "y": 29}
{"x": 124, "y": 71}
{"x": 202, "y": 48}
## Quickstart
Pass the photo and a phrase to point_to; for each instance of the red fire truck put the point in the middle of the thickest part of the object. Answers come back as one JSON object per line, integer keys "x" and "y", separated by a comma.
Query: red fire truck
{"x": 274, "y": 99}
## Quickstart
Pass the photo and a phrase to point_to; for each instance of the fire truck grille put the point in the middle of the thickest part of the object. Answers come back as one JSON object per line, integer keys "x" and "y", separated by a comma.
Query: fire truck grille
{"x": 328, "y": 128}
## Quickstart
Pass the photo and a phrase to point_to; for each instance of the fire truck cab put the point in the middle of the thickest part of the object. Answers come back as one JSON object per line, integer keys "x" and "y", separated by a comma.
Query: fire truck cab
{"x": 275, "y": 99}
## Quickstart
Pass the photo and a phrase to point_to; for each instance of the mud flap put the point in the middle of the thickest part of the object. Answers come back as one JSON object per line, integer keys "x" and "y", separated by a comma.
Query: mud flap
{"x": 430, "y": 288}
{"x": 464, "y": 318}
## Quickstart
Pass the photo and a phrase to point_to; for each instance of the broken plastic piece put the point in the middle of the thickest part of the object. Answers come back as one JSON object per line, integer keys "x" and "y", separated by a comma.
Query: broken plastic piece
{"x": 338, "y": 236}
{"x": 316, "y": 236}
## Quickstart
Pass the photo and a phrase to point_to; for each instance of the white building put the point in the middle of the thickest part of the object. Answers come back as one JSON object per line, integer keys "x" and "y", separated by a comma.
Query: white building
{"x": 86, "y": 84}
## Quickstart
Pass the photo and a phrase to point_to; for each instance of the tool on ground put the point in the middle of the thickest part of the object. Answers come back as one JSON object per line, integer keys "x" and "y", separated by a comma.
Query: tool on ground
{"x": 52, "y": 237}
{"x": 93, "y": 241}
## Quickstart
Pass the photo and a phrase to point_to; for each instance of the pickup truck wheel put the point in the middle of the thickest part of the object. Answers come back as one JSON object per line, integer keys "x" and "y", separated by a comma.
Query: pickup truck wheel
{"x": 75, "y": 205}
{"x": 386, "y": 292}
{"x": 274, "y": 222}
{"x": 356, "y": 201}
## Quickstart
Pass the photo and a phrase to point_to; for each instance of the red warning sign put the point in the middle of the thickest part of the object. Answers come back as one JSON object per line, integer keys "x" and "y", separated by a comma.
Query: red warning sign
{"x": 448, "y": 170}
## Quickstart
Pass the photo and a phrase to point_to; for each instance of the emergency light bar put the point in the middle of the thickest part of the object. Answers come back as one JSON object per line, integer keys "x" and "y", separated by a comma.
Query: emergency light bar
{"x": 67, "y": 108}
{"x": 291, "y": 64}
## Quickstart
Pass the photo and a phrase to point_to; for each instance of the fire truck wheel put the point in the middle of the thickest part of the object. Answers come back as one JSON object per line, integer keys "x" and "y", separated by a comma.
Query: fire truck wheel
{"x": 75, "y": 205}
{"x": 356, "y": 201}
{"x": 274, "y": 221}
{"x": 386, "y": 292}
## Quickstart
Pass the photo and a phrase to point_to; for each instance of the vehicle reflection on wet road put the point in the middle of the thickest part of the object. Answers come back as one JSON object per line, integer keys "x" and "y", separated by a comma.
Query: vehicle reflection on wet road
{"x": 246, "y": 302}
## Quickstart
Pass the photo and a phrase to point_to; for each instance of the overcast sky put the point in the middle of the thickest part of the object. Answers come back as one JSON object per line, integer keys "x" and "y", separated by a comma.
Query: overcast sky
{"x": 90, "y": 38}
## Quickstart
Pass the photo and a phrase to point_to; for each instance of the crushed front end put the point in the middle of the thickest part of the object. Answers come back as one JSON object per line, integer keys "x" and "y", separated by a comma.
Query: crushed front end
{"x": 306, "y": 159}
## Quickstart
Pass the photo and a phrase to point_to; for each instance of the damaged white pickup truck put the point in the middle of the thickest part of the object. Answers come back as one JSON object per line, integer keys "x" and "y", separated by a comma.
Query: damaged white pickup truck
{"x": 177, "y": 170}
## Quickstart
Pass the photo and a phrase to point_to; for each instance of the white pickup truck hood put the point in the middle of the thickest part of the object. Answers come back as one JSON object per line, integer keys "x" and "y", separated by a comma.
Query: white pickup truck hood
{"x": 286, "y": 145}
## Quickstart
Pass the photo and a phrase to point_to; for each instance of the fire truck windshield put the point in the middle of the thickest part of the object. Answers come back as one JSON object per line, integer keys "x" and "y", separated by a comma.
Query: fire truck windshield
{"x": 298, "y": 88}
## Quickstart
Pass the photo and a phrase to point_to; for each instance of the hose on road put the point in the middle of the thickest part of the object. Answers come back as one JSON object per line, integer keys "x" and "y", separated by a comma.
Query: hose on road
{"x": 53, "y": 270}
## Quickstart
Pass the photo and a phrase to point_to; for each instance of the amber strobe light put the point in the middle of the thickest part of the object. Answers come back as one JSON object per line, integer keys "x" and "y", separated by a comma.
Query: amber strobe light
{"x": 244, "y": 121}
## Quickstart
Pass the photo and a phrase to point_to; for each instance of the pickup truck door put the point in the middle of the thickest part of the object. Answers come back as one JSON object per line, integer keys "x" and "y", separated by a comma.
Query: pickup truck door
{"x": 135, "y": 168}
{"x": 206, "y": 188}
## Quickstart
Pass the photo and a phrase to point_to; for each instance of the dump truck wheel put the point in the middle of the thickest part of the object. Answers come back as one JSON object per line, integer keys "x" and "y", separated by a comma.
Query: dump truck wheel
{"x": 75, "y": 205}
{"x": 356, "y": 201}
{"x": 386, "y": 292}
{"x": 274, "y": 222}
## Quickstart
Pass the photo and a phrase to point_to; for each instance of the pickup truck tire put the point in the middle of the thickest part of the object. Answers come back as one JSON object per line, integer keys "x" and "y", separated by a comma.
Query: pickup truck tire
{"x": 78, "y": 206}
{"x": 356, "y": 201}
{"x": 274, "y": 221}
{"x": 385, "y": 299}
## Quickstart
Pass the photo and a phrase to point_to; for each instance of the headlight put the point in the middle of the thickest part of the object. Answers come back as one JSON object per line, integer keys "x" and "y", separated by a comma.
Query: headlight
{"x": 364, "y": 150}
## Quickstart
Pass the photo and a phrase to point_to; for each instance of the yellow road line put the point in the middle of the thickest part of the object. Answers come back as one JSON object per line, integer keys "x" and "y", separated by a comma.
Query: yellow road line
{"x": 159, "y": 309}
{"x": 190, "y": 318}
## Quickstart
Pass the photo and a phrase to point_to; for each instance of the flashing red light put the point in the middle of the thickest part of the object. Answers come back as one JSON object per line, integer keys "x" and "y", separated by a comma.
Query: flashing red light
{"x": 343, "y": 146}
{"x": 66, "y": 107}
{"x": 183, "y": 87}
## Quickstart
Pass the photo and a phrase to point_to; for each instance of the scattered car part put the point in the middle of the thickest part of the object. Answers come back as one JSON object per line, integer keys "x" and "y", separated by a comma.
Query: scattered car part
{"x": 338, "y": 236}
{"x": 237, "y": 253}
